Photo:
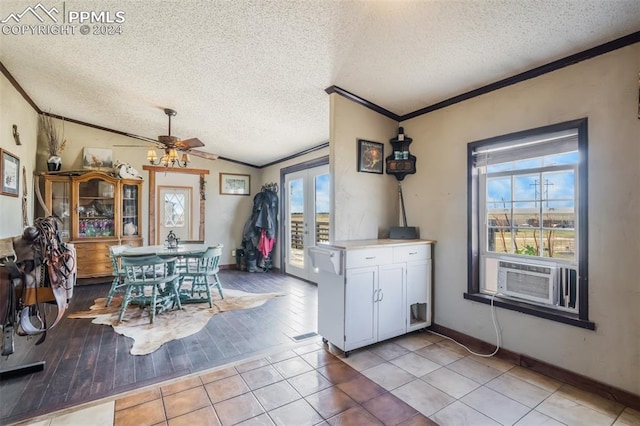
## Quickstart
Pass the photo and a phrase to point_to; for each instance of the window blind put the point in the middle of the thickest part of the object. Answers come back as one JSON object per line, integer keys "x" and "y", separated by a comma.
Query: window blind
{"x": 531, "y": 147}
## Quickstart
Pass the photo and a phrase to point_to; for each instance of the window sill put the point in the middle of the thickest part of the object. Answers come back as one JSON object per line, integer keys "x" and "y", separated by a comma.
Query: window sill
{"x": 536, "y": 311}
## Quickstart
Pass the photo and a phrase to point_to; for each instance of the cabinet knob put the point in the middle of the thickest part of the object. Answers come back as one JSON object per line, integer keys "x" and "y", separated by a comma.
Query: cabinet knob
{"x": 370, "y": 257}
{"x": 413, "y": 252}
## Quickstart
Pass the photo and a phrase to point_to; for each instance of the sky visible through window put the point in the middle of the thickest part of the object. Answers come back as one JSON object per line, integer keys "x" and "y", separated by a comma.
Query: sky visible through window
{"x": 296, "y": 194}
{"x": 556, "y": 188}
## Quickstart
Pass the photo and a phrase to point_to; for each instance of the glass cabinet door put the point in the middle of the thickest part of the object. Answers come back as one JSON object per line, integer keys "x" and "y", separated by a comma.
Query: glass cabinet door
{"x": 130, "y": 213}
{"x": 96, "y": 199}
{"x": 60, "y": 205}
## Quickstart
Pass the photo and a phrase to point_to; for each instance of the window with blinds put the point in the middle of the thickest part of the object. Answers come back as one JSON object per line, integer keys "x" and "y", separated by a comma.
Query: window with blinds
{"x": 529, "y": 196}
{"x": 527, "y": 203}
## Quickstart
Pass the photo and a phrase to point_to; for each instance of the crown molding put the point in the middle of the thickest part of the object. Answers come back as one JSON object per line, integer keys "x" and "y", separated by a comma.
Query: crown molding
{"x": 533, "y": 73}
{"x": 367, "y": 104}
{"x": 527, "y": 75}
{"x": 299, "y": 154}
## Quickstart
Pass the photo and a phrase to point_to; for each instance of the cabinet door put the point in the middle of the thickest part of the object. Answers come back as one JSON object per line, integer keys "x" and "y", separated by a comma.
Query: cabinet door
{"x": 418, "y": 275}
{"x": 58, "y": 201}
{"x": 360, "y": 308}
{"x": 130, "y": 216}
{"x": 418, "y": 294}
{"x": 96, "y": 207}
{"x": 391, "y": 301}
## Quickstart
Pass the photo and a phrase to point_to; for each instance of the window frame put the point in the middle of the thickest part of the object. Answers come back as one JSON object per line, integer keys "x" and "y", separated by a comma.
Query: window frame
{"x": 474, "y": 229}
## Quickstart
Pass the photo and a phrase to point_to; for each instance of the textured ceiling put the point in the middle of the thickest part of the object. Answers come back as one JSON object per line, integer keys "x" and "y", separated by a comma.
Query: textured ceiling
{"x": 248, "y": 77}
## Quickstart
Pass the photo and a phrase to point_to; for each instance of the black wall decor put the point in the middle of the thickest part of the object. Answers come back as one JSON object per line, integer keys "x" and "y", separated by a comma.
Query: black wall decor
{"x": 401, "y": 163}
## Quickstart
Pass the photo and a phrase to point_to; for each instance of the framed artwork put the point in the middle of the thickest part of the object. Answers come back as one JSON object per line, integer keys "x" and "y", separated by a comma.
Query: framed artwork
{"x": 10, "y": 171}
{"x": 97, "y": 159}
{"x": 235, "y": 184}
{"x": 370, "y": 156}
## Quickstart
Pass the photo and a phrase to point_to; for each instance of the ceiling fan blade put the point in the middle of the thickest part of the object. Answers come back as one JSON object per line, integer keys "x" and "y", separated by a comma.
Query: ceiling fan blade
{"x": 189, "y": 143}
{"x": 167, "y": 141}
{"x": 202, "y": 154}
{"x": 139, "y": 146}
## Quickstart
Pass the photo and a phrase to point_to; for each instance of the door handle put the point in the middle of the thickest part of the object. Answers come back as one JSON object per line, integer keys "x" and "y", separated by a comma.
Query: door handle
{"x": 375, "y": 295}
{"x": 381, "y": 295}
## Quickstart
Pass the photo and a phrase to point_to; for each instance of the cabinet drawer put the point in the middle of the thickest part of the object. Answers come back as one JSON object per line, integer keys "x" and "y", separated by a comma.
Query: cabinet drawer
{"x": 94, "y": 269}
{"x": 410, "y": 253}
{"x": 369, "y": 257}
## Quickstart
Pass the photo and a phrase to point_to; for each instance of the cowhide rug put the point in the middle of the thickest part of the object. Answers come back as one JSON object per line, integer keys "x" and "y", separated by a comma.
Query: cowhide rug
{"x": 169, "y": 325}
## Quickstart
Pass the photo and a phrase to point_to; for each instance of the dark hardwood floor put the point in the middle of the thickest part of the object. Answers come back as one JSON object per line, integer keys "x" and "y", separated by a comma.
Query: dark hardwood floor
{"x": 85, "y": 362}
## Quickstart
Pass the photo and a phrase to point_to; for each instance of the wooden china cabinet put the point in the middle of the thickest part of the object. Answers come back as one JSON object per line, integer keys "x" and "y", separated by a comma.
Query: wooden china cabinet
{"x": 97, "y": 210}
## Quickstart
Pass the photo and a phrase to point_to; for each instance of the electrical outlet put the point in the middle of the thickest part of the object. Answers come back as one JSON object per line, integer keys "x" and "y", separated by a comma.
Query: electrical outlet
{"x": 233, "y": 253}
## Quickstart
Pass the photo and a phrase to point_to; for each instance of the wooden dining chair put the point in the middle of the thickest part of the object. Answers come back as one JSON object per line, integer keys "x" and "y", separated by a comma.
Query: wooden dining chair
{"x": 201, "y": 273}
{"x": 117, "y": 272}
{"x": 150, "y": 281}
{"x": 181, "y": 263}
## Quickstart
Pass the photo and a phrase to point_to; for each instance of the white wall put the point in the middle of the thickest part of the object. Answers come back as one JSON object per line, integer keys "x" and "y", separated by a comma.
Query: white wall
{"x": 604, "y": 89}
{"x": 364, "y": 204}
{"x": 227, "y": 214}
{"x": 15, "y": 110}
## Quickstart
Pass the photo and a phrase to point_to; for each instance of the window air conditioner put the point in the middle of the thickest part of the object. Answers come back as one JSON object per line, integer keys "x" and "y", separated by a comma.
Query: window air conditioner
{"x": 530, "y": 281}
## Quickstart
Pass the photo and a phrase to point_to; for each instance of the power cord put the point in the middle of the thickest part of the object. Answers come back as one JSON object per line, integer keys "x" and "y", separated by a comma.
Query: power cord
{"x": 495, "y": 326}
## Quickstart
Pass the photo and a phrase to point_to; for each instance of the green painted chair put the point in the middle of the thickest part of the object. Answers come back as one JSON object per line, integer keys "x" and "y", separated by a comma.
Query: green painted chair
{"x": 118, "y": 272}
{"x": 150, "y": 281}
{"x": 181, "y": 263}
{"x": 200, "y": 274}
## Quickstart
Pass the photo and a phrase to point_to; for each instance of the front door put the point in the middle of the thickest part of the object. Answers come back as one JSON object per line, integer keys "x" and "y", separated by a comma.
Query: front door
{"x": 307, "y": 218}
{"x": 174, "y": 205}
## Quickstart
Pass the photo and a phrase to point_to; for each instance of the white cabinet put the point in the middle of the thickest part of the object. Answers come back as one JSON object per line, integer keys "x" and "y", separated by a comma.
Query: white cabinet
{"x": 375, "y": 297}
{"x": 419, "y": 309}
{"x": 379, "y": 291}
{"x": 360, "y": 324}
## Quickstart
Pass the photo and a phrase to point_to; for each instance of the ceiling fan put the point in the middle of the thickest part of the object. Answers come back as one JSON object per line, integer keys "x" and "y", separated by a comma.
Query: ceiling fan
{"x": 171, "y": 144}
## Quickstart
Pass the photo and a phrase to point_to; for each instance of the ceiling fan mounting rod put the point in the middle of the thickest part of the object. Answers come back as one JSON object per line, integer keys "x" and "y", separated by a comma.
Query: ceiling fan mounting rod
{"x": 170, "y": 113}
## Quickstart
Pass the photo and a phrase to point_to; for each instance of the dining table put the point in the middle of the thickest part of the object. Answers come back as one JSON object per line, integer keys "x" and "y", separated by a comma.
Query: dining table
{"x": 165, "y": 251}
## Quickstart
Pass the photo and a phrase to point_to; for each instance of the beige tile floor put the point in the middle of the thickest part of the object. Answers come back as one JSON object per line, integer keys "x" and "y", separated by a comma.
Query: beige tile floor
{"x": 417, "y": 379}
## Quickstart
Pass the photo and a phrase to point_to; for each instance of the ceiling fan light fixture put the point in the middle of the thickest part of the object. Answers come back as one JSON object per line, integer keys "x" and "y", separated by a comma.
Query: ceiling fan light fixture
{"x": 152, "y": 157}
{"x": 172, "y": 145}
{"x": 170, "y": 158}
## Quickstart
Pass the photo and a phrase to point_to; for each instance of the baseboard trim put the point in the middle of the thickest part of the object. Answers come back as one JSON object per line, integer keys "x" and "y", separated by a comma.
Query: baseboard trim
{"x": 579, "y": 381}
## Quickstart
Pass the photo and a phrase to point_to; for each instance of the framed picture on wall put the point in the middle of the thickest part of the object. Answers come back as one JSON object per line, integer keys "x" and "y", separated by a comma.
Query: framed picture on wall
{"x": 97, "y": 159}
{"x": 370, "y": 156}
{"x": 10, "y": 171}
{"x": 235, "y": 184}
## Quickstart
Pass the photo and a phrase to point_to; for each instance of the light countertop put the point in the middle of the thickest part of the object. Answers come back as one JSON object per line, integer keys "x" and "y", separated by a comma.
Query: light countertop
{"x": 360, "y": 244}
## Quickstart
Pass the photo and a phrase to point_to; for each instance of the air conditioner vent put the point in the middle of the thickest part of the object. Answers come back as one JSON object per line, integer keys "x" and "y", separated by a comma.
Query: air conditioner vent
{"x": 528, "y": 281}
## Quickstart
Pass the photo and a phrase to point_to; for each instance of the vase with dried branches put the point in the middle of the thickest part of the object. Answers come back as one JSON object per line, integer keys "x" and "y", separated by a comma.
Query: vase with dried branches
{"x": 55, "y": 141}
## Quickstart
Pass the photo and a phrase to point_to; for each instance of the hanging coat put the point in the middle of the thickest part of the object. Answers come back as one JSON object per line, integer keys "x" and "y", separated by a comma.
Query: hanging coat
{"x": 264, "y": 218}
